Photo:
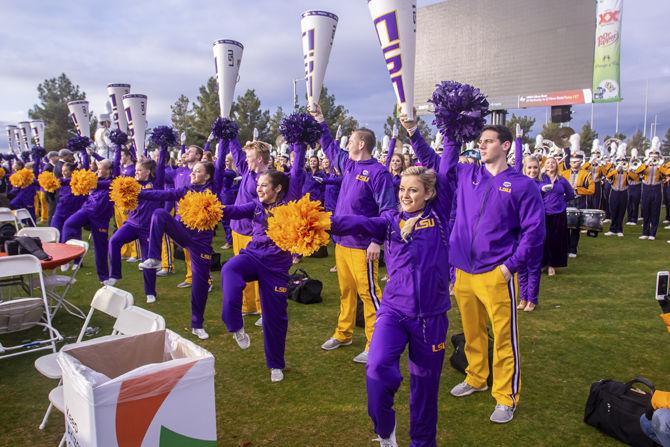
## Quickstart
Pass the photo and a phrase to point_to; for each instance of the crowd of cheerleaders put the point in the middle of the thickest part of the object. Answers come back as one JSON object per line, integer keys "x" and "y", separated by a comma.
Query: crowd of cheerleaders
{"x": 405, "y": 203}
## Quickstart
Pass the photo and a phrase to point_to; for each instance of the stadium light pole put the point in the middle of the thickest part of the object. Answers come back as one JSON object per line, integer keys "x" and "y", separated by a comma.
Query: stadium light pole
{"x": 295, "y": 92}
{"x": 616, "y": 123}
{"x": 592, "y": 109}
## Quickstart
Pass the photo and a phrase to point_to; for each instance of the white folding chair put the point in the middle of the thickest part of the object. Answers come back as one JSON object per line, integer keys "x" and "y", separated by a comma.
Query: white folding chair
{"x": 23, "y": 215}
{"x": 3, "y": 208}
{"x": 46, "y": 234}
{"x": 20, "y": 314}
{"x": 108, "y": 300}
{"x": 54, "y": 281}
{"x": 8, "y": 216}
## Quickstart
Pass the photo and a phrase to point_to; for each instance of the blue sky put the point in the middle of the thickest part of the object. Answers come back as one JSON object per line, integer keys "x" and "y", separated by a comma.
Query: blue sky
{"x": 163, "y": 49}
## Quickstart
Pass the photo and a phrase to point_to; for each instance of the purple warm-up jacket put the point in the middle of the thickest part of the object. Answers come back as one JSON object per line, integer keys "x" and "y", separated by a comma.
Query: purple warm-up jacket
{"x": 367, "y": 188}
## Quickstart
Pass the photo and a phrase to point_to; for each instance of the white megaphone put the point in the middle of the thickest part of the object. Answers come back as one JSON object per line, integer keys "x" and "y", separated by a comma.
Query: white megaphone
{"x": 25, "y": 135}
{"x": 37, "y": 128}
{"x": 539, "y": 140}
{"x": 116, "y": 92}
{"x": 338, "y": 133}
{"x": 343, "y": 142}
{"x": 19, "y": 140}
{"x": 386, "y": 141}
{"x": 318, "y": 31}
{"x": 135, "y": 109}
{"x": 11, "y": 139}
{"x": 80, "y": 117}
{"x": 227, "y": 59}
{"x": 395, "y": 24}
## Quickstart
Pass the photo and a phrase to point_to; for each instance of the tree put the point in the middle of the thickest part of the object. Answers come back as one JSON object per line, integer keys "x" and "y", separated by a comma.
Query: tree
{"x": 54, "y": 94}
{"x": 183, "y": 117}
{"x": 587, "y": 135}
{"x": 665, "y": 147}
{"x": 638, "y": 141}
{"x": 393, "y": 119}
{"x": 273, "y": 125}
{"x": 205, "y": 111}
{"x": 248, "y": 115}
{"x": 335, "y": 114}
{"x": 550, "y": 131}
{"x": 526, "y": 123}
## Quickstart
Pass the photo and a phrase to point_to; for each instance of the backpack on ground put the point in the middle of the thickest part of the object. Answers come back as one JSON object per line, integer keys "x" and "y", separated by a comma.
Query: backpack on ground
{"x": 303, "y": 289}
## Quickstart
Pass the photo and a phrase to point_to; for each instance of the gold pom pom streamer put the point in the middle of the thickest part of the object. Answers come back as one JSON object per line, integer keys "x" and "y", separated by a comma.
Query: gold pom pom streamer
{"x": 2, "y": 173}
{"x": 22, "y": 178}
{"x": 48, "y": 181}
{"x": 300, "y": 227}
{"x": 200, "y": 211}
{"x": 124, "y": 192}
{"x": 83, "y": 182}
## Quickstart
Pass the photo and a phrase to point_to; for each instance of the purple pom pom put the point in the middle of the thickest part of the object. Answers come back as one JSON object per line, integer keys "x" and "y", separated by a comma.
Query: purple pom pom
{"x": 300, "y": 128}
{"x": 38, "y": 151}
{"x": 118, "y": 137}
{"x": 164, "y": 136}
{"x": 79, "y": 143}
{"x": 460, "y": 110}
{"x": 225, "y": 129}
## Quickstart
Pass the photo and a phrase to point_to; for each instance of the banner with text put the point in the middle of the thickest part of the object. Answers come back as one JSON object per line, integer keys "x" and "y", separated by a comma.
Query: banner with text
{"x": 606, "y": 60}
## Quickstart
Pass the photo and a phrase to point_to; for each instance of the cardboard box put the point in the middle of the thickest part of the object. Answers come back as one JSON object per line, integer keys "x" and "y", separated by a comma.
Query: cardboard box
{"x": 154, "y": 389}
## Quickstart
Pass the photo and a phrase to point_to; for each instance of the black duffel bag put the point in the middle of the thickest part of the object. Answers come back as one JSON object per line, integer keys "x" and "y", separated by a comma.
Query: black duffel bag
{"x": 303, "y": 289}
{"x": 615, "y": 409}
{"x": 26, "y": 245}
{"x": 458, "y": 360}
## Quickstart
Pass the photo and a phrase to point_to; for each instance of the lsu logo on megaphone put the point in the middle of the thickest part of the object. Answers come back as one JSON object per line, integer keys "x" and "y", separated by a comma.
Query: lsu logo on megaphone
{"x": 388, "y": 33}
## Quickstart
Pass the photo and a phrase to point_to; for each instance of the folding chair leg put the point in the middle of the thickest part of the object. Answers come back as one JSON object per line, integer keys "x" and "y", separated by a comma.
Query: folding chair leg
{"x": 62, "y": 441}
{"x": 46, "y": 416}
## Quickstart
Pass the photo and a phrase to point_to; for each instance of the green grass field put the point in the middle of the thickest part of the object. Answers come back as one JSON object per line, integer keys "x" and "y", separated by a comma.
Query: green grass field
{"x": 597, "y": 319}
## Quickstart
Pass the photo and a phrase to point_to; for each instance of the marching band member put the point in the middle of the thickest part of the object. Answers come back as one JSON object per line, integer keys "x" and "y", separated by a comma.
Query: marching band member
{"x": 367, "y": 190}
{"x": 652, "y": 173}
{"x": 634, "y": 189}
{"x": 262, "y": 261}
{"x": 596, "y": 168}
{"x": 581, "y": 183}
{"x": 618, "y": 178}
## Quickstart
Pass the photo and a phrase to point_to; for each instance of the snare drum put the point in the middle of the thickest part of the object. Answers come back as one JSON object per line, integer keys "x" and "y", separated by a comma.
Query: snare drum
{"x": 592, "y": 220}
{"x": 574, "y": 215}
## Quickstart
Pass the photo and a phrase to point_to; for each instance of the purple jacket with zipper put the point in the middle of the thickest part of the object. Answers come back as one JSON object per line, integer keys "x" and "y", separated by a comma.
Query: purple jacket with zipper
{"x": 367, "y": 188}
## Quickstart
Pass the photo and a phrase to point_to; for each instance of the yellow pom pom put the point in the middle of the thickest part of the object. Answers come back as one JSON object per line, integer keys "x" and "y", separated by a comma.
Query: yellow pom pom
{"x": 2, "y": 173}
{"x": 83, "y": 182}
{"x": 200, "y": 211}
{"x": 124, "y": 192}
{"x": 48, "y": 181}
{"x": 22, "y": 178}
{"x": 299, "y": 227}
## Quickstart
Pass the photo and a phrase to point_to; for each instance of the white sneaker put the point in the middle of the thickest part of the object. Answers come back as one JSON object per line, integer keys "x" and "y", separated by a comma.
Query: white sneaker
{"x": 110, "y": 282}
{"x": 584, "y": 231}
{"x": 65, "y": 267}
{"x": 502, "y": 414}
{"x": 132, "y": 259}
{"x": 333, "y": 343}
{"x": 572, "y": 255}
{"x": 276, "y": 375}
{"x": 631, "y": 223}
{"x": 333, "y": 269}
{"x": 667, "y": 228}
{"x": 609, "y": 233}
{"x": 162, "y": 272}
{"x": 150, "y": 264}
{"x": 259, "y": 322}
{"x": 210, "y": 288}
{"x": 652, "y": 238}
{"x": 387, "y": 442}
{"x": 184, "y": 285}
{"x": 242, "y": 338}
{"x": 200, "y": 333}
{"x": 361, "y": 358}
{"x": 226, "y": 247}
{"x": 607, "y": 221}
{"x": 151, "y": 299}
{"x": 666, "y": 221}
{"x": 620, "y": 234}
{"x": 643, "y": 237}
{"x": 464, "y": 389}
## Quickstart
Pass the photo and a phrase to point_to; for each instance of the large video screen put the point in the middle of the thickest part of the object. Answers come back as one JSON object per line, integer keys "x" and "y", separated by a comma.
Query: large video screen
{"x": 520, "y": 53}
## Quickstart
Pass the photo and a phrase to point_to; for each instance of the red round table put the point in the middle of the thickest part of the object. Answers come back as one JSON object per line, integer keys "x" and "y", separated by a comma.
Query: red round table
{"x": 60, "y": 254}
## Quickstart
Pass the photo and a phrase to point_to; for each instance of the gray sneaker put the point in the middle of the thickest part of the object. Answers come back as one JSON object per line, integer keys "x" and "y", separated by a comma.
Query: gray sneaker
{"x": 333, "y": 343}
{"x": 463, "y": 389}
{"x": 502, "y": 414}
{"x": 242, "y": 338}
{"x": 362, "y": 358}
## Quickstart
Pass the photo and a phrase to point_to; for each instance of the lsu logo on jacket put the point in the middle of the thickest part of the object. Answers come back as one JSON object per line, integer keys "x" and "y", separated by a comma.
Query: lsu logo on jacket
{"x": 363, "y": 176}
{"x": 506, "y": 187}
